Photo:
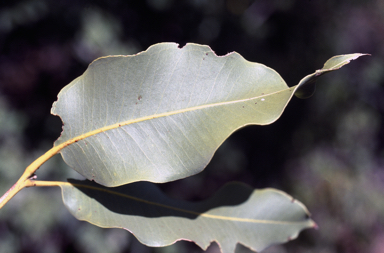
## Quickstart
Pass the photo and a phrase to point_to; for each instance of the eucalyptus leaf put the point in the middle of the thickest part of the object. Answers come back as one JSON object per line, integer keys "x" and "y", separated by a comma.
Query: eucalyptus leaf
{"x": 235, "y": 214}
{"x": 161, "y": 114}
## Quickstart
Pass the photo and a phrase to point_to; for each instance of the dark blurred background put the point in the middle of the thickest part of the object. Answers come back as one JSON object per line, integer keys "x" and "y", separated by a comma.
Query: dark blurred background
{"x": 327, "y": 151}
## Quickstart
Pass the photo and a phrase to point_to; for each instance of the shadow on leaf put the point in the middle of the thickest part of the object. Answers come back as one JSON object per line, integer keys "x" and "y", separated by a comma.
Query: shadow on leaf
{"x": 147, "y": 200}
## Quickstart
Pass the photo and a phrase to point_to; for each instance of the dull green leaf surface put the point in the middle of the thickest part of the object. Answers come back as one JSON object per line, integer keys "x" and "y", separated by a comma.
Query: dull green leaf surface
{"x": 235, "y": 214}
{"x": 161, "y": 114}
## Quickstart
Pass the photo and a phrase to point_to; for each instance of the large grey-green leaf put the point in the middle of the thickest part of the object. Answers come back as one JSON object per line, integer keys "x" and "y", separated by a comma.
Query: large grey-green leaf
{"x": 235, "y": 214}
{"x": 161, "y": 114}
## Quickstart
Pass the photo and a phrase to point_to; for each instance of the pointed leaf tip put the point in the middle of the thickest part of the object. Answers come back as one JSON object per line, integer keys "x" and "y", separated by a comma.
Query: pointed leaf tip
{"x": 339, "y": 61}
{"x": 307, "y": 86}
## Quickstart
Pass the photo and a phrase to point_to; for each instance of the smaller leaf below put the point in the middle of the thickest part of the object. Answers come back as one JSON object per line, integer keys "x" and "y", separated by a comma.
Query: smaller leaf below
{"x": 235, "y": 214}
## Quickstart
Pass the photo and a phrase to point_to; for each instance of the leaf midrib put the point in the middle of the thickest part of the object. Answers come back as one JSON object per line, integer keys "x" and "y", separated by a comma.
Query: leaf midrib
{"x": 57, "y": 148}
{"x": 160, "y": 115}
